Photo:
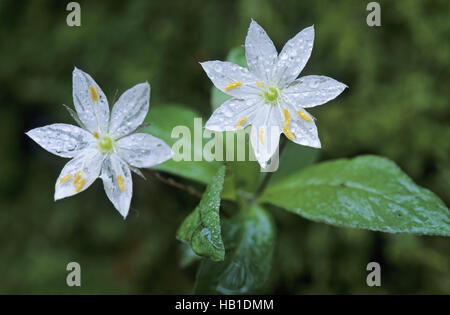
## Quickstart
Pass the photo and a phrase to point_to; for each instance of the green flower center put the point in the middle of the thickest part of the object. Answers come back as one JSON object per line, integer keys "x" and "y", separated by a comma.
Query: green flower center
{"x": 271, "y": 95}
{"x": 106, "y": 144}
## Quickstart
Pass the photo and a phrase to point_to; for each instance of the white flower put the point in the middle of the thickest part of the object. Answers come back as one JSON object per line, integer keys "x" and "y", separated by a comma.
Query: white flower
{"x": 106, "y": 146}
{"x": 268, "y": 96}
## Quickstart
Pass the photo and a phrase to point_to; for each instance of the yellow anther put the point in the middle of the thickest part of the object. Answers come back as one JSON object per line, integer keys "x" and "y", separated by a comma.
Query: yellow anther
{"x": 65, "y": 178}
{"x": 240, "y": 122}
{"x": 287, "y": 120}
{"x": 77, "y": 178}
{"x": 96, "y": 135}
{"x": 287, "y": 117}
{"x": 120, "y": 182}
{"x": 232, "y": 85}
{"x": 303, "y": 115}
{"x": 287, "y": 132}
{"x": 80, "y": 185}
{"x": 93, "y": 93}
{"x": 259, "y": 84}
{"x": 261, "y": 133}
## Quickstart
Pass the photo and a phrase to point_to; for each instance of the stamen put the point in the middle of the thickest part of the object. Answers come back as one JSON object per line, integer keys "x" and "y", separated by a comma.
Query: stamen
{"x": 232, "y": 85}
{"x": 261, "y": 133}
{"x": 77, "y": 178}
{"x": 259, "y": 84}
{"x": 96, "y": 135}
{"x": 120, "y": 182}
{"x": 287, "y": 117}
{"x": 80, "y": 185}
{"x": 93, "y": 93}
{"x": 287, "y": 132}
{"x": 65, "y": 178}
{"x": 240, "y": 122}
{"x": 303, "y": 115}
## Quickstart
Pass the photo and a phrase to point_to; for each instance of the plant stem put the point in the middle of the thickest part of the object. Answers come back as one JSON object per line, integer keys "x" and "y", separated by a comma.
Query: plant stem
{"x": 190, "y": 190}
{"x": 268, "y": 176}
{"x": 171, "y": 182}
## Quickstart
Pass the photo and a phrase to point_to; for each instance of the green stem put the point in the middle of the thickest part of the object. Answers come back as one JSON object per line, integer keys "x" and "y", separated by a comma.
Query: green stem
{"x": 190, "y": 190}
{"x": 169, "y": 181}
{"x": 268, "y": 176}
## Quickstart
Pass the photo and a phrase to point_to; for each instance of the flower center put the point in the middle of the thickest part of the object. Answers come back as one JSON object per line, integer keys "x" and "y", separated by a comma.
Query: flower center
{"x": 271, "y": 95}
{"x": 106, "y": 144}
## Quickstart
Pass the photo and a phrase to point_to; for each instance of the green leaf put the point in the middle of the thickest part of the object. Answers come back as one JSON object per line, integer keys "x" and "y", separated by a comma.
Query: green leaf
{"x": 243, "y": 174}
{"x": 236, "y": 56}
{"x": 201, "y": 229}
{"x": 367, "y": 192}
{"x": 294, "y": 158}
{"x": 249, "y": 241}
{"x": 163, "y": 119}
{"x": 242, "y": 181}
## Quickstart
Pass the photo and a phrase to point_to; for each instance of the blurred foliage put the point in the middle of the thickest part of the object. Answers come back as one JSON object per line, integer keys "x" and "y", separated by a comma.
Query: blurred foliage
{"x": 397, "y": 105}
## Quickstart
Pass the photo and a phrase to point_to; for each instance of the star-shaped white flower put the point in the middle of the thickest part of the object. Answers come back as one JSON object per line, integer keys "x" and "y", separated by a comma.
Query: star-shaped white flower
{"x": 105, "y": 146}
{"x": 268, "y": 96}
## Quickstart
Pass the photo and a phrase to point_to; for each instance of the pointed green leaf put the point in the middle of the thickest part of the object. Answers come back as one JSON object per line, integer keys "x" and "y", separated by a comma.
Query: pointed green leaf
{"x": 201, "y": 229}
{"x": 249, "y": 241}
{"x": 367, "y": 192}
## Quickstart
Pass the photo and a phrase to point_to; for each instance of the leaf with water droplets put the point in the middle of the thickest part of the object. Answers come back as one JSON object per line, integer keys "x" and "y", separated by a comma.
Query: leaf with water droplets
{"x": 367, "y": 192}
{"x": 249, "y": 239}
{"x": 201, "y": 229}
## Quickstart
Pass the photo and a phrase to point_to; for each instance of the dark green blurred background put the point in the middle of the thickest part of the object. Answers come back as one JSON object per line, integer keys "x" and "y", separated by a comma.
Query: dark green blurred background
{"x": 397, "y": 106}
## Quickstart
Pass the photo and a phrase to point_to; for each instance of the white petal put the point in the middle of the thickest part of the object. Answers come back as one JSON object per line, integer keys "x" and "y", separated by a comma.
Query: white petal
{"x": 92, "y": 111}
{"x": 234, "y": 114}
{"x": 130, "y": 110}
{"x": 294, "y": 56}
{"x": 260, "y": 52}
{"x": 304, "y": 132}
{"x": 231, "y": 78}
{"x": 87, "y": 164}
{"x": 265, "y": 133}
{"x": 61, "y": 139}
{"x": 313, "y": 90}
{"x": 117, "y": 182}
{"x": 143, "y": 150}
